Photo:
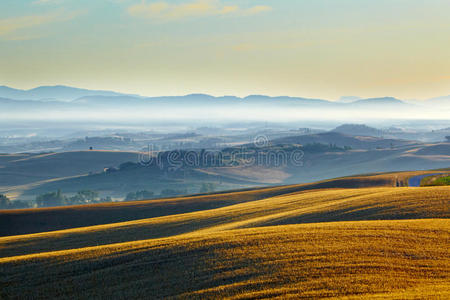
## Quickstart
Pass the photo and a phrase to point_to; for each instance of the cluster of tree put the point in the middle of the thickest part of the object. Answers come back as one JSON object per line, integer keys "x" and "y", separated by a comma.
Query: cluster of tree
{"x": 99, "y": 142}
{"x": 139, "y": 195}
{"x": 448, "y": 138}
{"x": 318, "y": 148}
{"x": 86, "y": 197}
{"x": 187, "y": 159}
{"x": 6, "y": 203}
{"x": 173, "y": 193}
{"x": 176, "y": 160}
{"x": 51, "y": 199}
{"x": 59, "y": 199}
{"x": 207, "y": 187}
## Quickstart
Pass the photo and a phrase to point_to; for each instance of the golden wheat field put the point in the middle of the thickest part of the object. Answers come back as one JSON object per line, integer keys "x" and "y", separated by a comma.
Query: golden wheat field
{"x": 374, "y": 242}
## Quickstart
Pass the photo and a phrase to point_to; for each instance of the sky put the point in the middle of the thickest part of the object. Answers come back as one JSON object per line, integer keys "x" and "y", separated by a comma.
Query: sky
{"x": 306, "y": 48}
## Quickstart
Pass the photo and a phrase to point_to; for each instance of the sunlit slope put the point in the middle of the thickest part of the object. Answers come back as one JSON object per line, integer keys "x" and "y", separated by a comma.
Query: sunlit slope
{"x": 48, "y": 219}
{"x": 291, "y": 208}
{"x": 396, "y": 259}
{"x": 26, "y": 221}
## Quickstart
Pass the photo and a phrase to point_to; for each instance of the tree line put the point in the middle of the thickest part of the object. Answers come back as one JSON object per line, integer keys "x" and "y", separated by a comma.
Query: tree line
{"x": 57, "y": 198}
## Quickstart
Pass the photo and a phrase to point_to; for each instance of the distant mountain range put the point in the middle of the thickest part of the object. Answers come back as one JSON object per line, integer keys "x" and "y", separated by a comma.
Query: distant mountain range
{"x": 348, "y": 99}
{"x": 441, "y": 100}
{"x": 54, "y": 100}
{"x": 67, "y": 93}
{"x": 197, "y": 102}
{"x": 58, "y": 92}
{"x": 85, "y": 96}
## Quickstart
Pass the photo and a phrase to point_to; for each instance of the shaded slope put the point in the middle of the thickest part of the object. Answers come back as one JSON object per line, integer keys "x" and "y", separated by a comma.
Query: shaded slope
{"x": 47, "y": 219}
{"x": 293, "y": 208}
{"x": 28, "y": 168}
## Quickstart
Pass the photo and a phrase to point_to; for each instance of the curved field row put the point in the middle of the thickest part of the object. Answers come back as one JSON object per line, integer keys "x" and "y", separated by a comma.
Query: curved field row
{"x": 25, "y": 221}
{"x": 294, "y": 208}
{"x": 407, "y": 258}
{"x": 302, "y": 241}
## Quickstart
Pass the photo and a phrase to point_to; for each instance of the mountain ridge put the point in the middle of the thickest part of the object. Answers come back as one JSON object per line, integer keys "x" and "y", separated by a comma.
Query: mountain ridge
{"x": 56, "y": 92}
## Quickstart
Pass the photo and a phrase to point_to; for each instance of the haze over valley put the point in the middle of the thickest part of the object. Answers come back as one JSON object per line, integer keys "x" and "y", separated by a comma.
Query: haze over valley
{"x": 217, "y": 149}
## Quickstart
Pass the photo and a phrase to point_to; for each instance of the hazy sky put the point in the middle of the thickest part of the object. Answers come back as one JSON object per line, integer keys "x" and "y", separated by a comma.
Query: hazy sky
{"x": 308, "y": 48}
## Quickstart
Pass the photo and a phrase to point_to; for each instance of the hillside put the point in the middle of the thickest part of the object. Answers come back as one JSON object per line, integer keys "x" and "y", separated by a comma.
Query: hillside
{"x": 290, "y": 208}
{"x": 25, "y": 176}
{"x": 339, "y": 238}
{"x": 395, "y": 259}
{"x": 20, "y": 172}
{"x": 358, "y": 130}
{"x": 16, "y": 169}
{"x": 320, "y": 165}
{"x": 46, "y": 219}
{"x": 342, "y": 140}
{"x": 442, "y": 149}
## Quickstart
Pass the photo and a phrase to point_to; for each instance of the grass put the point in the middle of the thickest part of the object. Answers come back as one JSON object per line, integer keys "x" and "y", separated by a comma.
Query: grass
{"x": 441, "y": 180}
{"x": 294, "y": 208}
{"x": 301, "y": 241}
{"x": 345, "y": 259}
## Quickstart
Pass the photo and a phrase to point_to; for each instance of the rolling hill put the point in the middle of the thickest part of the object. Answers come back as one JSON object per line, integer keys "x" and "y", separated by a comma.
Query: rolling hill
{"x": 44, "y": 219}
{"x": 346, "y": 238}
{"x": 377, "y": 259}
{"x": 341, "y": 140}
{"x": 358, "y": 130}
{"x": 293, "y": 208}
{"x": 19, "y": 172}
{"x": 24, "y": 176}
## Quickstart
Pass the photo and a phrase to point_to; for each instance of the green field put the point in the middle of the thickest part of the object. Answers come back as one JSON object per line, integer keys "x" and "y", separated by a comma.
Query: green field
{"x": 436, "y": 181}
